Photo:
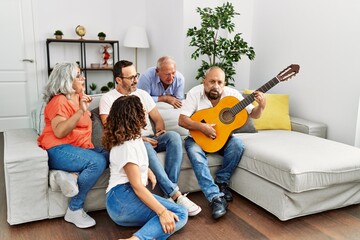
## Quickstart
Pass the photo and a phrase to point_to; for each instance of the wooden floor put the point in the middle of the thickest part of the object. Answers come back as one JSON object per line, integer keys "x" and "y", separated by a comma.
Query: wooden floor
{"x": 244, "y": 220}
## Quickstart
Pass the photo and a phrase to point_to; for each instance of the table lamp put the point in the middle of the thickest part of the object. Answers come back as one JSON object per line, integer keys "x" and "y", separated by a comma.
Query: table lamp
{"x": 136, "y": 37}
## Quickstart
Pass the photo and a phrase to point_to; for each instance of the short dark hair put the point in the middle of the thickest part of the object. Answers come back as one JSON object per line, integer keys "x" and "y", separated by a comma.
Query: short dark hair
{"x": 117, "y": 70}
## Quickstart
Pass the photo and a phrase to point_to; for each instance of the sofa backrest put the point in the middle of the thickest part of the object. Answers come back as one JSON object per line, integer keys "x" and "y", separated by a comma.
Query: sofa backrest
{"x": 171, "y": 117}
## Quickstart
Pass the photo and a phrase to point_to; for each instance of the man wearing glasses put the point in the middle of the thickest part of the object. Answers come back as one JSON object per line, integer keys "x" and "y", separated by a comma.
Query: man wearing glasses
{"x": 126, "y": 79}
{"x": 163, "y": 82}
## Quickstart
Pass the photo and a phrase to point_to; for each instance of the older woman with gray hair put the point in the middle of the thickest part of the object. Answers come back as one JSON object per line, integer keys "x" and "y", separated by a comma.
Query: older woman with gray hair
{"x": 67, "y": 139}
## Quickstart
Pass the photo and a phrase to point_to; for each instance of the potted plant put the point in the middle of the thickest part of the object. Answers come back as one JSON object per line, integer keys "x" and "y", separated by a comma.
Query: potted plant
{"x": 101, "y": 36}
{"x": 220, "y": 51}
{"x": 104, "y": 89}
{"x": 110, "y": 85}
{"x": 58, "y": 34}
{"x": 93, "y": 87}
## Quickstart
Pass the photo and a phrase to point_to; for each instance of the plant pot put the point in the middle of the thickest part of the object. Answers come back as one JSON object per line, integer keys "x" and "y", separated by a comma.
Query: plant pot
{"x": 101, "y": 38}
{"x": 93, "y": 92}
{"x": 58, "y": 36}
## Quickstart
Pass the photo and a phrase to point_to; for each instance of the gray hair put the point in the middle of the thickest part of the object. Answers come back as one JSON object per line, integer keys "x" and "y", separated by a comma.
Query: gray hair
{"x": 60, "y": 81}
{"x": 164, "y": 60}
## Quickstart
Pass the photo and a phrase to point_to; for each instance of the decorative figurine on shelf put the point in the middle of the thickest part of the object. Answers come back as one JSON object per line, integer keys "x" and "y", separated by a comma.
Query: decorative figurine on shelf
{"x": 106, "y": 55}
{"x": 80, "y": 31}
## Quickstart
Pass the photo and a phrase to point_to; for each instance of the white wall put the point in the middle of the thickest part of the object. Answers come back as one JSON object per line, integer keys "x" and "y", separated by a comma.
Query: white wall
{"x": 322, "y": 36}
{"x": 164, "y": 21}
{"x": 112, "y": 17}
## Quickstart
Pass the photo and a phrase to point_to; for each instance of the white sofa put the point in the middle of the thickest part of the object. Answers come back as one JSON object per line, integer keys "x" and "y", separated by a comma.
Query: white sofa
{"x": 288, "y": 173}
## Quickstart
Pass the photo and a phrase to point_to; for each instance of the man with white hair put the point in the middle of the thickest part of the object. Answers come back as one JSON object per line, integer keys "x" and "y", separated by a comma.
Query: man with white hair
{"x": 163, "y": 82}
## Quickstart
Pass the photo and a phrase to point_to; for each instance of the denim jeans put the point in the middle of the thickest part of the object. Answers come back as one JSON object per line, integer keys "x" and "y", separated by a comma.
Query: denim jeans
{"x": 88, "y": 163}
{"x": 126, "y": 209}
{"x": 167, "y": 176}
{"x": 232, "y": 153}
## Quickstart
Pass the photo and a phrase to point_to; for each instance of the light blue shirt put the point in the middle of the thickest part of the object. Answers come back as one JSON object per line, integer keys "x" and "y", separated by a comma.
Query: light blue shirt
{"x": 150, "y": 82}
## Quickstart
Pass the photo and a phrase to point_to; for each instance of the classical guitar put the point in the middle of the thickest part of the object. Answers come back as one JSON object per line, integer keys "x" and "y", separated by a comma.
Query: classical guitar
{"x": 230, "y": 114}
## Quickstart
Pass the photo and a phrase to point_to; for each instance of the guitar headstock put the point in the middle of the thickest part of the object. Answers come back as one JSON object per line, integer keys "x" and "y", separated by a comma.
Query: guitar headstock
{"x": 288, "y": 72}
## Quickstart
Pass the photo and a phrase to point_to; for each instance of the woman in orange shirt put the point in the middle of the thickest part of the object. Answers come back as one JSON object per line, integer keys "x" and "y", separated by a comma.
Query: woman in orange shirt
{"x": 67, "y": 139}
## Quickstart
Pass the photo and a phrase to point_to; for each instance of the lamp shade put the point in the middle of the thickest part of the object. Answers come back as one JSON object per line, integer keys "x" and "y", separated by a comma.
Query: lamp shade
{"x": 136, "y": 37}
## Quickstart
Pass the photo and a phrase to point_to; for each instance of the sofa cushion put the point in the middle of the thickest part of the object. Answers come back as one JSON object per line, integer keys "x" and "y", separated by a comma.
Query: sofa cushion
{"x": 299, "y": 162}
{"x": 171, "y": 118}
{"x": 248, "y": 127}
{"x": 276, "y": 113}
{"x": 38, "y": 117}
{"x": 97, "y": 128}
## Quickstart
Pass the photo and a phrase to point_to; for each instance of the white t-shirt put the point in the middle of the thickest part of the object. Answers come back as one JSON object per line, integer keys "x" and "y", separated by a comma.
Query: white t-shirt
{"x": 132, "y": 151}
{"x": 197, "y": 100}
{"x": 109, "y": 98}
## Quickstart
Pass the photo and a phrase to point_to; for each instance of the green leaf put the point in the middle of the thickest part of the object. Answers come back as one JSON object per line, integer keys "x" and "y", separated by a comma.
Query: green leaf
{"x": 220, "y": 51}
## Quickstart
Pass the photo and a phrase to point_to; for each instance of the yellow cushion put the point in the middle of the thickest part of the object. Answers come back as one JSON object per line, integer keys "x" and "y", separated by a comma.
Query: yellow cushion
{"x": 276, "y": 113}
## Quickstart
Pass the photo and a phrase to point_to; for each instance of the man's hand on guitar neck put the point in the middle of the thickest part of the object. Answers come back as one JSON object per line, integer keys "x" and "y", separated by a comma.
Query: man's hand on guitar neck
{"x": 261, "y": 100}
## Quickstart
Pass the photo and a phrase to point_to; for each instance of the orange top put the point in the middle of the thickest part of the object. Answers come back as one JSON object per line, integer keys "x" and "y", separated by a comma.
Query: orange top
{"x": 80, "y": 136}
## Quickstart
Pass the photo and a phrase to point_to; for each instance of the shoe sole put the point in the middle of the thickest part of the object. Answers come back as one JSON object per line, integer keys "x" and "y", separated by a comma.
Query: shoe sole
{"x": 77, "y": 225}
{"x": 66, "y": 188}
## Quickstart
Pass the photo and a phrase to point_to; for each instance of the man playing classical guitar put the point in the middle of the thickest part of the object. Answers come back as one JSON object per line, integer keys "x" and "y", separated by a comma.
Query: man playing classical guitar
{"x": 204, "y": 96}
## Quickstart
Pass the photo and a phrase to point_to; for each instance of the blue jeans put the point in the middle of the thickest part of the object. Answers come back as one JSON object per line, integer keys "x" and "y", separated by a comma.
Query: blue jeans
{"x": 232, "y": 153}
{"x": 126, "y": 209}
{"x": 88, "y": 163}
{"x": 167, "y": 176}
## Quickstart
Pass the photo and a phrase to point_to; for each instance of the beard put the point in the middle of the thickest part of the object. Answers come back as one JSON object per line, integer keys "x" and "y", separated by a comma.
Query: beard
{"x": 213, "y": 94}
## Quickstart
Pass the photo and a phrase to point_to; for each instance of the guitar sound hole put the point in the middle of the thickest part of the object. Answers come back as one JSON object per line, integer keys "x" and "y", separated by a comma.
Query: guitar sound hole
{"x": 226, "y": 116}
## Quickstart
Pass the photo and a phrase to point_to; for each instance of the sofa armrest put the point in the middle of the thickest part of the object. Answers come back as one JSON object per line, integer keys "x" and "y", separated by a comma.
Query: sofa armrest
{"x": 308, "y": 127}
{"x": 26, "y": 176}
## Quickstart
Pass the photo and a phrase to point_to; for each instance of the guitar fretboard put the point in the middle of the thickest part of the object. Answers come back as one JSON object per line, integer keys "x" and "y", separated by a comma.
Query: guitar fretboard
{"x": 250, "y": 98}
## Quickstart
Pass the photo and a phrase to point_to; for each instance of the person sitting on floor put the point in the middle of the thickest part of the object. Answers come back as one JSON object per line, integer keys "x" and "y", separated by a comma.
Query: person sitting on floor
{"x": 128, "y": 201}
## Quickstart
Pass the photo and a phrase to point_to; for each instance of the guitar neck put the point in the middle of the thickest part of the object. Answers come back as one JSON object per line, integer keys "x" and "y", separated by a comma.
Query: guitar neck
{"x": 251, "y": 97}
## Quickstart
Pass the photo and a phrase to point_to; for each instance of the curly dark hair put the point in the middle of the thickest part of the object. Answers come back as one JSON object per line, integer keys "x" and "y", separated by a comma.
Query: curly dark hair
{"x": 124, "y": 122}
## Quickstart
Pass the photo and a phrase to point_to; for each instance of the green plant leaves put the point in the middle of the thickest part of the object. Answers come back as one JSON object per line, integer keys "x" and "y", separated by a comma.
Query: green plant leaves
{"x": 219, "y": 50}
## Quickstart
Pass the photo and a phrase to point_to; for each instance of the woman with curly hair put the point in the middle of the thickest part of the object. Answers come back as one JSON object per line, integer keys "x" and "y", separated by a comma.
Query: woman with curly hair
{"x": 128, "y": 201}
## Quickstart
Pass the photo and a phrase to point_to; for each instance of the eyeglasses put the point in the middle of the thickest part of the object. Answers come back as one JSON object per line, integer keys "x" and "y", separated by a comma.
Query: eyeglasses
{"x": 131, "y": 78}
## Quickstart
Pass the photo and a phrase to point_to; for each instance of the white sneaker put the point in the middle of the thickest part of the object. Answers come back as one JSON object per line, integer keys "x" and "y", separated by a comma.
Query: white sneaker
{"x": 79, "y": 218}
{"x": 67, "y": 182}
{"x": 192, "y": 208}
